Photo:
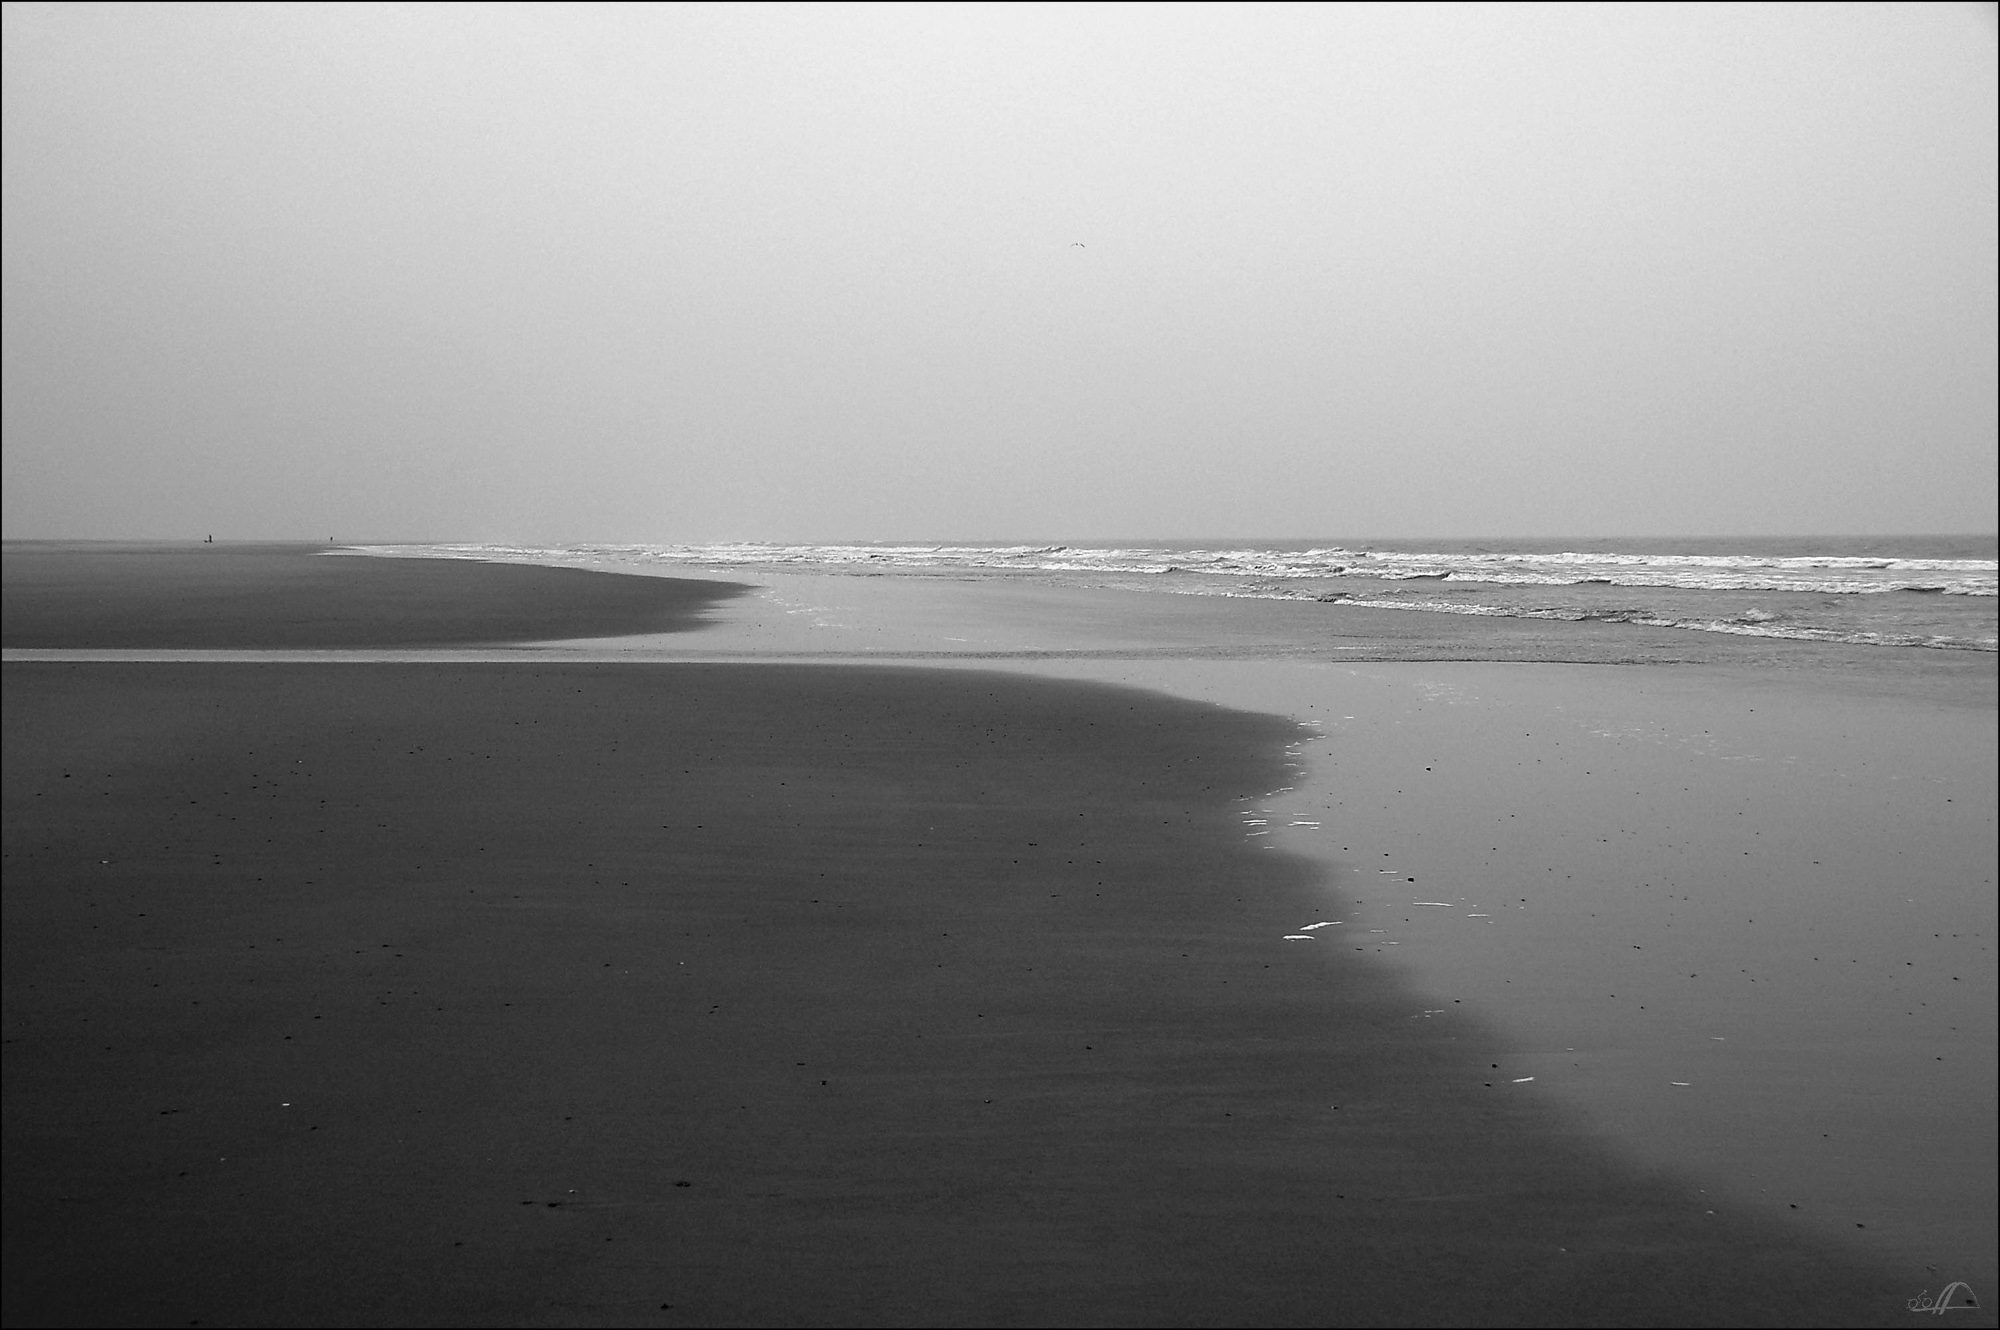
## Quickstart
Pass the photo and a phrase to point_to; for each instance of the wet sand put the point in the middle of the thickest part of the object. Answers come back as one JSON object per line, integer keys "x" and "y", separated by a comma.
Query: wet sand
{"x": 379, "y": 993}
{"x": 289, "y": 596}
{"x": 413, "y": 992}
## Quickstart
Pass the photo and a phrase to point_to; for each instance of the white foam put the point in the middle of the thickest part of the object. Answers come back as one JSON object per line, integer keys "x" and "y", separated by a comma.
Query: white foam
{"x": 1316, "y": 574}
{"x": 1822, "y": 573}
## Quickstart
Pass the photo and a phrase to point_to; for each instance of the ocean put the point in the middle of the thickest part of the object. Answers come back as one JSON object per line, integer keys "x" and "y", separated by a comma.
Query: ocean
{"x": 1910, "y": 591}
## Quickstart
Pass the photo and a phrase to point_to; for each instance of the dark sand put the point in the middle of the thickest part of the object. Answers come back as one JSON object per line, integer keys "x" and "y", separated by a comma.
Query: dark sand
{"x": 95, "y": 596}
{"x": 446, "y": 994}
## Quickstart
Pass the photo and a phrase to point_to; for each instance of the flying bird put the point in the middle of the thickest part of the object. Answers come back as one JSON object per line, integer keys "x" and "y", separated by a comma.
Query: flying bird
{"x": 1078, "y": 244}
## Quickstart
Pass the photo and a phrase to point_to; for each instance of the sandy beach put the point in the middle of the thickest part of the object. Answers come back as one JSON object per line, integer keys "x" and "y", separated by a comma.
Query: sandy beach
{"x": 108, "y": 595}
{"x": 1000, "y": 665}
{"x": 1136, "y": 960}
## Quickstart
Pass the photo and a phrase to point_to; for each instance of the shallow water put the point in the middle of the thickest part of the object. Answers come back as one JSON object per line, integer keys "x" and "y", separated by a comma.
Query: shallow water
{"x": 1744, "y": 928}
{"x": 1927, "y": 591}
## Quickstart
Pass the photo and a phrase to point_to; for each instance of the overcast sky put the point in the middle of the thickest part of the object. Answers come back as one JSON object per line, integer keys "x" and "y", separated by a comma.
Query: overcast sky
{"x": 703, "y": 273}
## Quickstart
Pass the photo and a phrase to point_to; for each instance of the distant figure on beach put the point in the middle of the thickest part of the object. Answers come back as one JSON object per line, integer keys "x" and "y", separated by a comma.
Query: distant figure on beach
{"x": 209, "y": 541}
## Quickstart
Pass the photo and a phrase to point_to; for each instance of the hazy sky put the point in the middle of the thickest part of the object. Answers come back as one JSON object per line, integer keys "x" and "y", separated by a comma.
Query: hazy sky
{"x": 700, "y": 273}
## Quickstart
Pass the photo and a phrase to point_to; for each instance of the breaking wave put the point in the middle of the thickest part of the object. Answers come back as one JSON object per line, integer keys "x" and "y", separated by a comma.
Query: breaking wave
{"x": 1862, "y": 598}
{"x": 1823, "y": 574}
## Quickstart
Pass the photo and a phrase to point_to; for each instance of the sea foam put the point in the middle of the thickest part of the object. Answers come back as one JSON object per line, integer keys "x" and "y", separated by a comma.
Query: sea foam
{"x": 1872, "y": 592}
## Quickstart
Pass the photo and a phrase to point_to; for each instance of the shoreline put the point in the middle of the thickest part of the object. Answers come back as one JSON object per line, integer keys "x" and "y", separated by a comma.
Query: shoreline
{"x": 1828, "y": 600}
{"x": 1664, "y": 889}
{"x": 795, "y": 612}
{"x": 1259, "y": 663}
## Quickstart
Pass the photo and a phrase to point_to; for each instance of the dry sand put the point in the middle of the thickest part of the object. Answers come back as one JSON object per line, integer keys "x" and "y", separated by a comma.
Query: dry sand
{"x": 630, "y": 857}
